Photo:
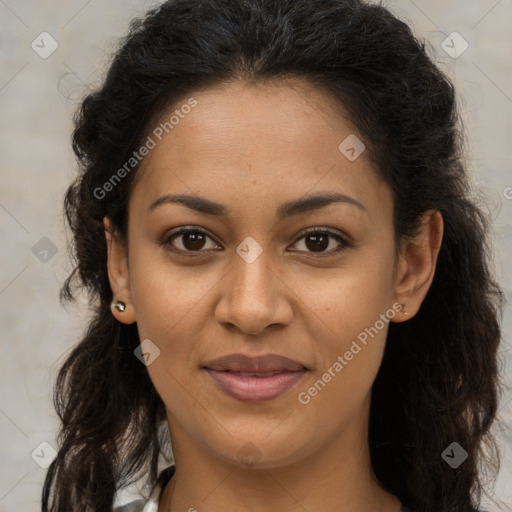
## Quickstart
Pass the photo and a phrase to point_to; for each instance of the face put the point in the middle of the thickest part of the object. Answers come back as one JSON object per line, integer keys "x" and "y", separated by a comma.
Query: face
{"x": 262, "y": 271}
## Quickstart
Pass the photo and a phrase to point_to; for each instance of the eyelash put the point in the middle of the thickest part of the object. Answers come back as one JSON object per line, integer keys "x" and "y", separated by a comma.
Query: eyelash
{"x": 345, "y": 244}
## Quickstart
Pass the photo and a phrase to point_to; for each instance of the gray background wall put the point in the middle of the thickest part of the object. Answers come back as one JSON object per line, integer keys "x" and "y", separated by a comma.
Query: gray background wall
{"x": 37, "y": 99}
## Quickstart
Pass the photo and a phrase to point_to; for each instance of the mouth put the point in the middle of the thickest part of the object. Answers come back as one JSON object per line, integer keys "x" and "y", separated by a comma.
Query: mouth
{"x": 255, "y": 379}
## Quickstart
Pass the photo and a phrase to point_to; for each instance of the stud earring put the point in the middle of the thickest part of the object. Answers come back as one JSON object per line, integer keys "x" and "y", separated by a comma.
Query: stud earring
{"x": 403, "y": 309}
{"x": 119, "y": 305}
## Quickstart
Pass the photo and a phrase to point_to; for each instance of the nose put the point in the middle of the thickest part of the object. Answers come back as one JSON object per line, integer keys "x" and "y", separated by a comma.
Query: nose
{"x": 254, "y": 297}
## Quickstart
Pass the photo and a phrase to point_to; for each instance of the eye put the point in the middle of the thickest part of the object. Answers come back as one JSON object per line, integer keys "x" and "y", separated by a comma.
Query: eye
{"x": 193, "y": 240}
{"x": 318, "y": 240}
{"x": 190, "y": 239}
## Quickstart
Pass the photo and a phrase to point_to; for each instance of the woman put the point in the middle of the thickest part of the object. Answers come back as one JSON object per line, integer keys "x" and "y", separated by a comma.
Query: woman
{"x": 289, "y": 277}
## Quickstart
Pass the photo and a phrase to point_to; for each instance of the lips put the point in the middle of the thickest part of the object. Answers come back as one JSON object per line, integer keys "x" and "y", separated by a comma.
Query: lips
{"x": 255, "y": 379}
{"x": 262, "y": 364}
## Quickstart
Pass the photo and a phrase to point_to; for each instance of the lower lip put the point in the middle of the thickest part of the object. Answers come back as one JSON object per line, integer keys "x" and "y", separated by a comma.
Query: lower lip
{"x": 255, "y": 389}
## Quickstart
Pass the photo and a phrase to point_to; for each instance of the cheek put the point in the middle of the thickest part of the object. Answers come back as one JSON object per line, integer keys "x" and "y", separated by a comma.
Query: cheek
{"x": 342, "y": 302}
{"x": 166, "y": 295}
{"x": 349, "y": 360}
{"x": 350, "y": 325}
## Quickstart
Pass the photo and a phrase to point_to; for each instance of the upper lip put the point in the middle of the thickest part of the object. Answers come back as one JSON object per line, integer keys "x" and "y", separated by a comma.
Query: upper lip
{"x": 243, "y": 363}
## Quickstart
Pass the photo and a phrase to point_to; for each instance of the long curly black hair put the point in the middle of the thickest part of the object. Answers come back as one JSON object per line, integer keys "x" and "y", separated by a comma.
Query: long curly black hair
{"x": 439, "y": 380}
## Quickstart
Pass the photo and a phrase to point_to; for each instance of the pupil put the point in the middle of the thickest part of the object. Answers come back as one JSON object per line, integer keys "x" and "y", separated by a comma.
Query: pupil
{"x": 194, "y": 240}
{"x": 317, "y": 243}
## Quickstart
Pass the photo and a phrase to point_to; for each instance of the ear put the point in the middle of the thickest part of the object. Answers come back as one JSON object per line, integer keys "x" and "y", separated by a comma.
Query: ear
{"x": 118, "y": 274}
{"x": 417, "y": 264}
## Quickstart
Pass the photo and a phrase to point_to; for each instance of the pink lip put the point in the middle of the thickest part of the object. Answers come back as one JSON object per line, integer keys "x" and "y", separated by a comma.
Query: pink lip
{"x": 252, "y": 388}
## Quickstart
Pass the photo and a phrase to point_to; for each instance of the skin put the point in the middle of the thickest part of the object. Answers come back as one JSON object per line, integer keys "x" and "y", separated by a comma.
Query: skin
{"x": 253, "y": 148}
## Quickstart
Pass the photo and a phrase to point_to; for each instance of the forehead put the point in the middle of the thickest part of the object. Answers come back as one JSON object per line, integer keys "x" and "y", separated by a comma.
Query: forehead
{"x": 239, "y": 118}
{"x": 260, "y": 141}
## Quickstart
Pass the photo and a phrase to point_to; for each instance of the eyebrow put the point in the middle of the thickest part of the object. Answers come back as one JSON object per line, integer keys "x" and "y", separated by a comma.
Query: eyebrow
{"x": 289, "y": 209}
